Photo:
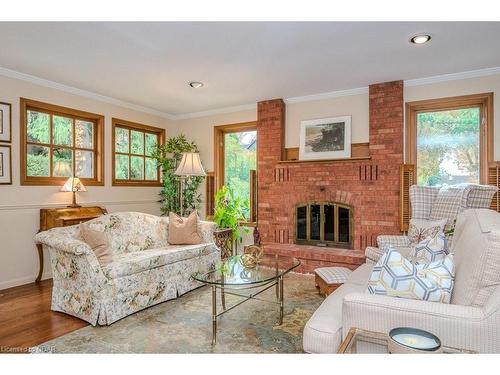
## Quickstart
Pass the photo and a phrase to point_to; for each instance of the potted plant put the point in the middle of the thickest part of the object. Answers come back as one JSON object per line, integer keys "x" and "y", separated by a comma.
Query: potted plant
{"x": 227, "y": 214}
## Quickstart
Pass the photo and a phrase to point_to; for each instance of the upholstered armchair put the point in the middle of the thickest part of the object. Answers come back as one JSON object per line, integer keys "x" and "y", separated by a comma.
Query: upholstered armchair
{"x": 434, "y": 203}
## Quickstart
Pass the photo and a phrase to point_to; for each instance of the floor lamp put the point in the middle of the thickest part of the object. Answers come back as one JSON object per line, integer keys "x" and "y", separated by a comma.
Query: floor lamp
{"x": 190, "y": 165}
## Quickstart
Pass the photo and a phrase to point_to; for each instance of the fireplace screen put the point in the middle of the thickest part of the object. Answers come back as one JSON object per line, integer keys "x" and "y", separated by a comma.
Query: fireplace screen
{"x": 324, "y": 224}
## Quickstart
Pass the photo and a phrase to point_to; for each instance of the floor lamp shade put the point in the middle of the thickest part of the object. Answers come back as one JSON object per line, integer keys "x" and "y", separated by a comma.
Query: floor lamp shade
{"x": 190, "y": 165}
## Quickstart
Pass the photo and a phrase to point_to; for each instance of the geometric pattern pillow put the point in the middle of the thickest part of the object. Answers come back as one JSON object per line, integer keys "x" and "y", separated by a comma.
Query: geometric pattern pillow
{"x": 419, "y": 229}
{"x": 430, "y": 249}
{"x": 396, "y": 276}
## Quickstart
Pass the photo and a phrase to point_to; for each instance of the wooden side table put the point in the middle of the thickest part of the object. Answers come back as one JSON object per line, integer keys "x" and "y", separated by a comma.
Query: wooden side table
{"x": 63, "y": 217}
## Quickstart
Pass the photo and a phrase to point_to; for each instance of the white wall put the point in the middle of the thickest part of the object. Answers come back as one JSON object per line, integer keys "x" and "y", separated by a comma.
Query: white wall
{"x": 19, "y": 205}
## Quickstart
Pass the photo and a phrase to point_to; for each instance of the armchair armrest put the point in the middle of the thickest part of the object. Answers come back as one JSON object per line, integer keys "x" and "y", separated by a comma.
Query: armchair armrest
{"x": 395, "y": 241}
{"x": 457, "y": 326}
{"x": 62, "y": 242}
{"x": 207, "y": 229}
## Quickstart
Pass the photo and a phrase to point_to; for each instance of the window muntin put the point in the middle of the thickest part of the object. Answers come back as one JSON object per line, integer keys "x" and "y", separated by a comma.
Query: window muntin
{"x": 133, "y": 148}
{"x": 448, "y": 146}
{"x": 59, "y": 142}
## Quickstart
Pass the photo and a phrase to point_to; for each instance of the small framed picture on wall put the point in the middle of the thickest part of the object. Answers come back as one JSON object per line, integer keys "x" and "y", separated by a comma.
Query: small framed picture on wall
{"x": 5, "y": 165}
{"x": 5, "y": 122}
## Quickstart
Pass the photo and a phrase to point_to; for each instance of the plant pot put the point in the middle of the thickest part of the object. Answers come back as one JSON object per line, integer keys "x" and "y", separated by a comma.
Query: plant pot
{"x": 223, "y": 239}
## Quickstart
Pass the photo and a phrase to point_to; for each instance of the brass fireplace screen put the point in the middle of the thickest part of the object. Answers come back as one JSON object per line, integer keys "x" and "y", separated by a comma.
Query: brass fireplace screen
{"x": 324, "y": 224}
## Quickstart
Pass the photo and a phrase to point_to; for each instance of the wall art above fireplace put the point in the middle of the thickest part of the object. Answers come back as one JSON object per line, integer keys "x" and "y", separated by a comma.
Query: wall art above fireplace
{"x": 328, "y": 138}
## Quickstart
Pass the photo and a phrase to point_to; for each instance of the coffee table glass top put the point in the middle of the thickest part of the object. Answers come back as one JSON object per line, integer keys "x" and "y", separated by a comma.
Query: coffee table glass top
{"x": 232, "y": 272}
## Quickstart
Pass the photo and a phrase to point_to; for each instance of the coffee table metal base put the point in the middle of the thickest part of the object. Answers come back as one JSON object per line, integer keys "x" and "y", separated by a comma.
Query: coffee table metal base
{"x": 278, "y": 283}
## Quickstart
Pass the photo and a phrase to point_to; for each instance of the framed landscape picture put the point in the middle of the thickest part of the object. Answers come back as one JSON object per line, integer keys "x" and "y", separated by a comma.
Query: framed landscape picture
{"x": 328, "y": 138}
{"x": 5, "y": 122}
{"x": 5, "y": 165}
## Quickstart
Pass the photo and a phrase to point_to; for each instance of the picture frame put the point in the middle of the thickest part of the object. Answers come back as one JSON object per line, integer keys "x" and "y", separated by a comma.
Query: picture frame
{"x": 5, "y": 165}
{"x": 5, "y": 122}
{"x": 326, "y": 138}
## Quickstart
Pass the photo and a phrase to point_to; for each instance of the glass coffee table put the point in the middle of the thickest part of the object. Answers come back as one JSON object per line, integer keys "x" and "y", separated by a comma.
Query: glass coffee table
{"x": 231, "y": 277}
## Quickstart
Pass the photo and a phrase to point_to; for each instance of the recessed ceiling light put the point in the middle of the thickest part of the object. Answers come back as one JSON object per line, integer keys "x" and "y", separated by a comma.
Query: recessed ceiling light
{"x": 196, "y": 85}
{"x": 420, "y": 39}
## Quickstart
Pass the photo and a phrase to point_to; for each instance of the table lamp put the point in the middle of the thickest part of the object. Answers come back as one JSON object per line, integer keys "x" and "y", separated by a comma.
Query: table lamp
{"x": 73, "y": 184}
{"x": 190, "y": 165}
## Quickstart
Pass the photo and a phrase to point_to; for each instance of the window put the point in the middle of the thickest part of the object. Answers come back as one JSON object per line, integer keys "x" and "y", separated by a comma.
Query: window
{"x": 236, "y": 163}
{"x": 133, "y": 148}
{"x": 450, "y": 140}
{"x": 59, "y": 142}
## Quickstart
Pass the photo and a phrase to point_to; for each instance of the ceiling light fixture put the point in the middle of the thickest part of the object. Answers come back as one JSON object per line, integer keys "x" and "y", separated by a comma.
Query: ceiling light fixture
{"x": 420, "y": 39}
{"x": 196, "y": 85}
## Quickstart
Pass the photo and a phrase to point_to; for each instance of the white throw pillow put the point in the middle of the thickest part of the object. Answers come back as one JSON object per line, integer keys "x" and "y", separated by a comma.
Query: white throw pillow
{"x": 396, "y": 276}
{"x": 430, "y": 249}
{"x": 420, "y": 229}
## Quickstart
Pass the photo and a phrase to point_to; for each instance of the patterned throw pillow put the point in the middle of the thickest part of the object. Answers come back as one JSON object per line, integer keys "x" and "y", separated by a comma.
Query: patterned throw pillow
{"x": 430, "y": 249}
{"x": 421, "y": 229}
{"x": 396, "y": 276}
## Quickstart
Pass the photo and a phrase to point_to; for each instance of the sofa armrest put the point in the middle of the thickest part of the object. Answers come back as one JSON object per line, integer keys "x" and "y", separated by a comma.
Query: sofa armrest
{"x": 62, "y": 242}
{"x": 394, "y": 241}
{"x": 207, "y": 229}
{"x": 457, "y": 326}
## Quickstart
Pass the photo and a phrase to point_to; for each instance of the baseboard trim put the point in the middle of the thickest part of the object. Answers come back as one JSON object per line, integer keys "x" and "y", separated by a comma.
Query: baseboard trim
{"x": 23, "y": 280}
{"x": 34, "y": 206}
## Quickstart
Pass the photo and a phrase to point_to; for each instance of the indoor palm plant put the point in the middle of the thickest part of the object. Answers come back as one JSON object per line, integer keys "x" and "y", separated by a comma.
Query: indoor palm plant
{"x": 229, "y": 210}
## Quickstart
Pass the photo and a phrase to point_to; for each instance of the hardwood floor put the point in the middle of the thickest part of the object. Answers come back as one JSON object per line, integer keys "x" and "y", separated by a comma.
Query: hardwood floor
{"x": 26, "y": 319}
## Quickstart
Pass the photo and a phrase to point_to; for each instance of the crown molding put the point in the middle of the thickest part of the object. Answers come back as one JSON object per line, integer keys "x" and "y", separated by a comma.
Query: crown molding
{"x": 452, "y": 77}
{"x": 76, "y": 91}
{"x": 245, "y": 107}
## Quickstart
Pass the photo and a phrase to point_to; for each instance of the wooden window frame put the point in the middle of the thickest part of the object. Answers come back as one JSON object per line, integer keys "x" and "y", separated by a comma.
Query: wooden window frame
{"x": 219, "y": 132}
{"x": 124, "y": 124}
{"x": 483, "y": 101}
{"x": 52, "y": 109}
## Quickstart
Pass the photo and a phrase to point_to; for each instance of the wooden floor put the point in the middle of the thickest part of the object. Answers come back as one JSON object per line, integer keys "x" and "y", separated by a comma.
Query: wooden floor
{"x": 26, "y": 319}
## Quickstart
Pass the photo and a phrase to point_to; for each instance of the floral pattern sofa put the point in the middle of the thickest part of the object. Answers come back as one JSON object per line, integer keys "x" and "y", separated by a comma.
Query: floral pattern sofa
{"x": 145, "y": 270}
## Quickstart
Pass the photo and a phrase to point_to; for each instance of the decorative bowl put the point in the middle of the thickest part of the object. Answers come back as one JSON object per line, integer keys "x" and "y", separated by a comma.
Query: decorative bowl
{"x": 405, "y": 340}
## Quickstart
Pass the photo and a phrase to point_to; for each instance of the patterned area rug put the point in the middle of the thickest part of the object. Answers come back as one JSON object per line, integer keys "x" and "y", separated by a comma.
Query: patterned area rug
{"x": 184, "y": 325}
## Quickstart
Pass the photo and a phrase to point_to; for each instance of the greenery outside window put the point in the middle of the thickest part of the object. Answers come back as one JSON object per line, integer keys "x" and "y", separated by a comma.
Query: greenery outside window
{"x": 134, "y": 146}
{"x": 450, "y": 140}
{"x": 59, "y": 142}
{"x": 236, "y": 163}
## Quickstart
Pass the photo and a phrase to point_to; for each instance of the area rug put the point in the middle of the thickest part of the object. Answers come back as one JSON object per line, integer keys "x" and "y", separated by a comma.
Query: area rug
{"x": 184, "y": 325}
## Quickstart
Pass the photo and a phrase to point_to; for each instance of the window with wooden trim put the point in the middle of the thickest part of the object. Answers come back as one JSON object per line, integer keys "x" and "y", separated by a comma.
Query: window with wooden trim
{"x": 450, "y": 140}
{"x": 236, "y": 163}
{"x": 59, "y": 142}
{"x": 133, "y": 148}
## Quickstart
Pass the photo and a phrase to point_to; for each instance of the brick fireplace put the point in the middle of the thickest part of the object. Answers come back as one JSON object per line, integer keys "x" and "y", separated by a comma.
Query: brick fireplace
{"x": 369, "y": 185}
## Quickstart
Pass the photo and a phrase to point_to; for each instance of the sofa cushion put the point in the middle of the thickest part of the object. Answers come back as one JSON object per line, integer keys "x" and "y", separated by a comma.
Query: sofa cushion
{"x": 183, "y": 230}
{"x": 476, "y": 245}
{"x": 323, "y": 331}
{"x": 132, "y": 231}
{"x": 420, "y": 229}
{"x": 430, "y": 249}
{"x": 333, "y": 275}
{"x": 396, "y": 276}
{"x": 139, "y": 261}
{"x": 98, "y": 242}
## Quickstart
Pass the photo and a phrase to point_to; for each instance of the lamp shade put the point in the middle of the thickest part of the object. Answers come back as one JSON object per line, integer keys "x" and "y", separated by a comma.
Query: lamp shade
{"x": 190, "y": 165}
{"x": 73, "y": 184}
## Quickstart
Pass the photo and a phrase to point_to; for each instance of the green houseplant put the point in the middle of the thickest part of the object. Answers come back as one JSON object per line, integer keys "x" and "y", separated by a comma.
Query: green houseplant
{"x": 168, "y": 157}
{"x": 229, "y": 210}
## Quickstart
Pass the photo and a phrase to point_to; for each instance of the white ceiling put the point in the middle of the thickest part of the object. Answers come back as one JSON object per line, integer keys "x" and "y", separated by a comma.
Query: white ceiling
{"x": 150, "y": 64}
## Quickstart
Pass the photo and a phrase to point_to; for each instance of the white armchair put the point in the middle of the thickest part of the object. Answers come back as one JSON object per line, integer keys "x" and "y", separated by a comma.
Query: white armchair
{"x": 433, "y": 203}
{"x": 471, "y": 320}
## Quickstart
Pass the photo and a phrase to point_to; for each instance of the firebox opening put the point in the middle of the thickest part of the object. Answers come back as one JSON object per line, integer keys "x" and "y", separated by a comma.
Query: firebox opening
{"x": 324, "y": 224}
